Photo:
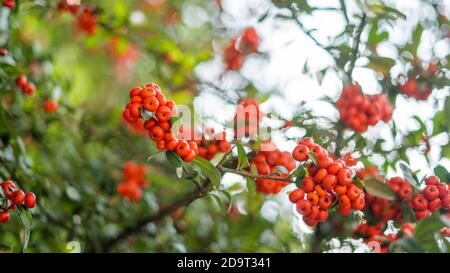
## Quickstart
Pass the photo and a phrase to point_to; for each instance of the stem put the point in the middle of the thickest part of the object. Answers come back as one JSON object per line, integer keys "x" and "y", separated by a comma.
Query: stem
{"x": 308, "y": 32}
{"x": 139, "y": 225}
{"x": 344, "y": 11}
{"x": 357, "y": 41}
{"x": 256, "y": 176}
{"x": 222, "y": 160}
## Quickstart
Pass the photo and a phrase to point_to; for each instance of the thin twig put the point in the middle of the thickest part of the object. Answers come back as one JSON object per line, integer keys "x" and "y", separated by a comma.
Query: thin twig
{"x": 356, "y": 46}
{"x": 139, "y": 225}
{"x": 308, "y": 32}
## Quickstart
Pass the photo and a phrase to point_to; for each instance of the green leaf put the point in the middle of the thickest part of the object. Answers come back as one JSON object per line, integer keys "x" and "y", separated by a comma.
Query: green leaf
{"x": 408, "y": 175}
{"x": 152, "y": 156}
{"x": 176, "y": 124}
{"x": 242, "y": 157}
{"x": 313, "y": 157}
{"x": 251, "y": 186}
{"x": 223, "y": 199}
{"x": 443, "y": 174}
{"x": 379, "y": 189}
{"x": 417, "y": 35}
{"x": 381, "y": 64}
{"x": 208, "y": 170}
{"x": 27, "y": 221}
{"x": 300, "y": 172}
{"x": 174, "y": 159}
{"x": 426, "y": 230}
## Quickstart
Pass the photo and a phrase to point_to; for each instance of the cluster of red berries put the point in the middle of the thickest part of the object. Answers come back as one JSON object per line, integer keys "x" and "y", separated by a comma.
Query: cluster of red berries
{"x": 28, "y": 88}
{"x": 11, "y": 4}
{"x": 433, "y": 197}
{"x": 14, "y": 197}
{"x": 211, "y": 144}
{"x": 50, "y": 106}
{"x": 269, "y": 162}
{"x": 375, "y": 233}
{"x": 87, "y": 20}
{"x": 247, "y": 118}
{"x": 386, "y": 210}
{"x": 327, "y": 180}
{"x": 159, "y": 126}
{"x": 238, "y": 48}
{"x": 134, "y": 181}
{"x": 418, "y": 87}
{"x": 358, "y": 111}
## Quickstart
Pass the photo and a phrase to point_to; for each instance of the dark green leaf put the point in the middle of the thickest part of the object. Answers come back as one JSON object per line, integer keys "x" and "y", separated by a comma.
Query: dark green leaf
{"x": 208, "y": 170}
{"x": 174, "y": 159}
{"x": 242, "y": 157}
{"x": 379, "y": 189}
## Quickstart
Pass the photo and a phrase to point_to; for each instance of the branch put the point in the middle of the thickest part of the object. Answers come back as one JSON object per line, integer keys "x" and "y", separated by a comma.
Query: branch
{"x": 344, "y": 11}
{"x": 308, "y": 32}
{"x": 356, "y": 46}
{"x": 139, "y": 225}
{"x": 256, "y": 176}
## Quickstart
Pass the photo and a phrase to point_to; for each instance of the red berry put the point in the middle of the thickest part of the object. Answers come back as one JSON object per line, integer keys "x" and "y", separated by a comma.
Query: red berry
{"x": 432, "y": 180}
{"x": 18, "y": 197}
{"x": 296, "y": 195}
{"x": 300, "y": 153}
{"x": 422, "y": 214}
{"x": 405, "y": 192}
{"x": 419, "y": 202}
{"x": 30, "y": 200}
{"x": 190, "y": 156}
{"x": 156, "y": 133}
{"x": 353, "y": 192}
{"x": 21, "y": 80}
{"x": 431, "y": 192}
{"x": 162, "y": 99}
{"x": 329, "y": 181}
{"x": 323, "y": 216}
{"x": 320, "y": 175}
{"x": 359, "y": 203}
{"x": 344, "y": 177}
{"x": 50, "y": 106}
{"x": 308, "y": 184}
{"x": 134, "y": 92}
{"x": 434, "y": 205}
{"x": 8, "y": 187}
{"x": 443, "y": 189}
{"x": 151, "y": 104}
{"x": 171, "y": 144}
{"x": 182, "y": 148}
{"x": 29, "y": 89}
{"x": 163, "y": 113}
{"x": 304, "y": 207}
{"x": 317, "y": 151}
{"x": 4, "y": 217}
{"x": 325, "y": 202}
{"x": 314, "y": 212}
{"x": 445, "y": 202}
{"x": 325, "y": 162}
{"x": 334, "y": 168}
{"x": 11, "y": 4}
{"x": 310, "y": 221}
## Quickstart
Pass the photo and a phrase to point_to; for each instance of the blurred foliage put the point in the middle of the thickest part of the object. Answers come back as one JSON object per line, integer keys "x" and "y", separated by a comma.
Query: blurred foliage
{"x": 72, "y": 159}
